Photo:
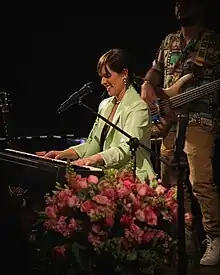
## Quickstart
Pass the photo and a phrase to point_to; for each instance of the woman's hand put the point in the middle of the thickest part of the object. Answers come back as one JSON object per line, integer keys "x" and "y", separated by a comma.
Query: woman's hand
{"x": 65, "y": 154}
{"x": 89, "y": 161}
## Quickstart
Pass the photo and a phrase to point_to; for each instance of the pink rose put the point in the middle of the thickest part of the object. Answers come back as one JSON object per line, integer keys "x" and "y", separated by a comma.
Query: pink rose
{"x": 128, "y": 183}
{"x": 134, "y": 234}
{"x": 51, "y": 212}
{"x": 82, "y": 183}
{"x": 101, "y": 200}
{"x": 150, "y": 216}
{"x": 169, "y": 199}
{"x": 135, "y": 200}
{"x": 160, "y": 235}
{"x": 94, "y": 240}
{"x": 109, "y": 221}
{"x": 59, "y": 250}
{"x": 92, "y": 179}
{"x": 144, "y": 190}
{"x": 96, "y": 228}
{"x": 123, "y": 191}
{"x": 87, "y": 206}
{"x": 109, "y": 192}
{"x": 148, "y": 236}
{"x": 140, "y": 215}
{"x": 73, "y": 201}
{"x": 160, "y": 190}
{"x": 72, "y": 224}
{"x": 127, "y": 220}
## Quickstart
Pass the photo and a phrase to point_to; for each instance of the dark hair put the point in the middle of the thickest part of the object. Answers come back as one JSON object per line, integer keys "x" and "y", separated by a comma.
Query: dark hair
{"x": 200, "y": 4}
{"x": 196, "y": 15}
{"x": 117, "y": 60}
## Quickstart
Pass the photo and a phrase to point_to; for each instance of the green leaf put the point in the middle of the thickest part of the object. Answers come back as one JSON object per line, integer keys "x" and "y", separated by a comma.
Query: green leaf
{"x": 42, "y": 214}
{"x": 155, "y": 242}
{"x": 132, "y": 255}
{"x": 147, "y": 270}
{"x": 82, "y": 194}
{"x": 76, "y": 251}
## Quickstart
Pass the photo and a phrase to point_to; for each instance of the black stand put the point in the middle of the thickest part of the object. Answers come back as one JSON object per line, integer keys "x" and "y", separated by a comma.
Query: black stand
{"x": 181, "y": 165}
{"x": 178, "y": 164}
{"x": 4, "y": 106}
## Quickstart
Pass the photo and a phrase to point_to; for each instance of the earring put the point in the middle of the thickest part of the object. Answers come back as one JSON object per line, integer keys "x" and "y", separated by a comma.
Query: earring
{"x": 125, "y": 81}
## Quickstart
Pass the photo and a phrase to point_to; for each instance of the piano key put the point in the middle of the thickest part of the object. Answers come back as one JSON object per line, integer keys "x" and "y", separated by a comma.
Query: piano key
{"x": 91, "y": 168}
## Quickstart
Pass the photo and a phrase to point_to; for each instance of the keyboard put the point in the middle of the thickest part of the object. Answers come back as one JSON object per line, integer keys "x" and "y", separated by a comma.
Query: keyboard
{"x": 52, "y": 161}
{"x": 28, "y": 167}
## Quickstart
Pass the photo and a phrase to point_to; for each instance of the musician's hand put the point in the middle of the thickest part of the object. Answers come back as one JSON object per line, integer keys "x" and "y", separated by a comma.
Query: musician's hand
{"x": 89, "y": 161}
{"x": 41, "y": 153}
{"x": 52, "y": 154}
{"x": 148, "y": 93}
{"x": 161, "y": 128}
{"x": 65, "y": 154}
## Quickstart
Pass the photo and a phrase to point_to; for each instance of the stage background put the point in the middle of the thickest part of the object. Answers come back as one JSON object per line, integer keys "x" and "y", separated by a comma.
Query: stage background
{"x": 48, "y": 52}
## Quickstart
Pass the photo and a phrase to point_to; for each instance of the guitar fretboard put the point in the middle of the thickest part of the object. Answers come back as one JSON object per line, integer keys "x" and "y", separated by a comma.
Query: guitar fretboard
{"x": 193, "y": 94}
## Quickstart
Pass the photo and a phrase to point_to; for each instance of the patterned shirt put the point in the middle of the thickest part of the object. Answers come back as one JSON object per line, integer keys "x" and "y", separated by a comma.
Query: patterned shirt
{"x": 175, "y": 59}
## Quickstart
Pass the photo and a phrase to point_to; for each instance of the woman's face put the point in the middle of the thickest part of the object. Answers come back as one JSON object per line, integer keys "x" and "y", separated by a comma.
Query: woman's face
{"x": 112, "y": 81}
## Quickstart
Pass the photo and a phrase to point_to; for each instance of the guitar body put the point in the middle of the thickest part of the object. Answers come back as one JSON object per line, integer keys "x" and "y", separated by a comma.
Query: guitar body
{"x": 164, "y": 110}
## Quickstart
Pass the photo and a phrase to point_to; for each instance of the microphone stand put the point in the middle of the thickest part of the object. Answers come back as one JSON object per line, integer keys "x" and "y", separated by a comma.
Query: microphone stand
{"x": 179, "y": 164}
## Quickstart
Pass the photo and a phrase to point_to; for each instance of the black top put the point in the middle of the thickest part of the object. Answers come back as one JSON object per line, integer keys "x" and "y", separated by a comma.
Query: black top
{"x": 103, "y": 135}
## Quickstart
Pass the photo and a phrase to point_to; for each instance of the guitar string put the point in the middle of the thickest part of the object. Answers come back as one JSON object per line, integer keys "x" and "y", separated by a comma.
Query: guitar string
{"x": 188, "y": 94}
{"x": 197, "y": 91}
{"x": 178, "y": 102}
{"x": 177, "y": 99}
{"x": 196, "y": 95}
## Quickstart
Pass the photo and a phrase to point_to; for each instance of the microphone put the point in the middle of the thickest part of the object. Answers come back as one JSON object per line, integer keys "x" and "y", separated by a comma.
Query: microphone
{"x": 75, "y": 97}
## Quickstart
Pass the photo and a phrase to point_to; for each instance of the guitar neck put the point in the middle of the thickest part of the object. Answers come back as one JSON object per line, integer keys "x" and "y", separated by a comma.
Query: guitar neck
{"x": 196, "y": 93}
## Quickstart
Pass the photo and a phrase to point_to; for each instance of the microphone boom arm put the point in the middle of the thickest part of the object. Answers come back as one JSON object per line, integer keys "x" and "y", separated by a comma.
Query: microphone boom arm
{"x": 85, "y": 90}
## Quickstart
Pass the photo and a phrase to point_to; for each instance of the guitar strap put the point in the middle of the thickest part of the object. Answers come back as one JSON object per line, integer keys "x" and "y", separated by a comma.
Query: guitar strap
{"x": 183, "y": 56}
{"x": 202, "y": 50}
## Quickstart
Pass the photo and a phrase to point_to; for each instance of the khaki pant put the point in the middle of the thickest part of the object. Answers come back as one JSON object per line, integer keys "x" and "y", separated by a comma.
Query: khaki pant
{"x": 198, "y": 148}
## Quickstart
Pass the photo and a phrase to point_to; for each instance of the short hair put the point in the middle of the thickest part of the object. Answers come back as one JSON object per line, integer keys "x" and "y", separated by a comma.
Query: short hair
{"x": 117, "y": 60}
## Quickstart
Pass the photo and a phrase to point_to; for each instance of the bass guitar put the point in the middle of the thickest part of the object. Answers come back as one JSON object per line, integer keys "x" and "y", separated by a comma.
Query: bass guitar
{"x": 173, "y": 98}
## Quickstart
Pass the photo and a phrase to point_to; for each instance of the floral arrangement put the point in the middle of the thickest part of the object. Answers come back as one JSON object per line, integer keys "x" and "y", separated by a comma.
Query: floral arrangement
{"x": 113, "y": 225}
